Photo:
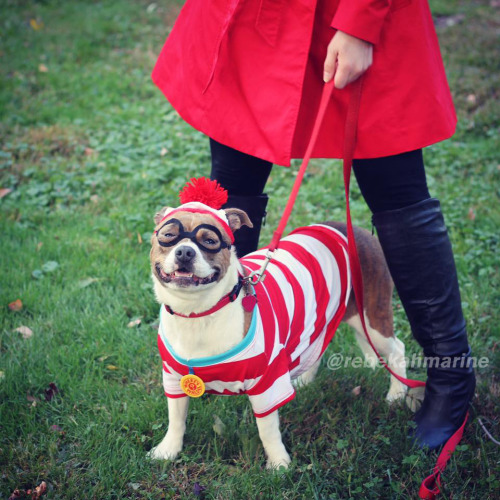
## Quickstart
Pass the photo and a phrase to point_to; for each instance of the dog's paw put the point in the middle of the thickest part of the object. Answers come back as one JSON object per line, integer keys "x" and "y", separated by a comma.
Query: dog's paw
{"x": 396, "y": 395}
{"x": 278, "y": 462}
{"x": 168, "y": 449}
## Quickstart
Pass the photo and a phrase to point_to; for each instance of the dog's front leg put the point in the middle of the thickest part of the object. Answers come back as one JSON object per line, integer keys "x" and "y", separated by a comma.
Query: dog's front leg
{"x": 270, "y": 435}
{"x": 171, "y": 444}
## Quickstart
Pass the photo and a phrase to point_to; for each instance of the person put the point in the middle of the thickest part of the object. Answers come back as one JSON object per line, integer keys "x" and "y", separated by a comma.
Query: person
{"x": 249, "y": 74}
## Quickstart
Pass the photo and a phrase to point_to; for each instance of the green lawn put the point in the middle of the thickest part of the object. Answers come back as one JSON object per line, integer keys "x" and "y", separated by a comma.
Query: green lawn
{"x": 90, "y": 150}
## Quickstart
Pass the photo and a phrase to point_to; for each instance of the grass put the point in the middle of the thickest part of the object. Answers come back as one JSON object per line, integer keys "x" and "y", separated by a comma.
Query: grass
{"x": 90, "y": 150}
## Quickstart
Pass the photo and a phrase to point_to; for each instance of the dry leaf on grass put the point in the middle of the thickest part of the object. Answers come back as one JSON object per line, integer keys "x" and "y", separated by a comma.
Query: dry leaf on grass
{"x": 17, "y": 305}
{"x": 36, "y": 25}
{"x": 51, "y": 391}
{"x": 357, "y": 390}
{"x": 218, "y": 426}
{"x": 135, "y": 322}
{"x": 40, "y": 490}
{"x": 5, "y": 192}
{"x": 24, "y": 331}
{"x": 87, "y": 282}
{"x": 42, "y": 68}
{"x": 34, "y": 401}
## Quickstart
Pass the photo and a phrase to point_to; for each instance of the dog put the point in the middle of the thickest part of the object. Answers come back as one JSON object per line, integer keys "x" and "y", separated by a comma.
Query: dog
{"x": 221, "y": 334}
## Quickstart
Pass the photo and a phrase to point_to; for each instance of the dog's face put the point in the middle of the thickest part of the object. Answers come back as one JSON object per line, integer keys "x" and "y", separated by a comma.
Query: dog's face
{"x": 192, "y": 250}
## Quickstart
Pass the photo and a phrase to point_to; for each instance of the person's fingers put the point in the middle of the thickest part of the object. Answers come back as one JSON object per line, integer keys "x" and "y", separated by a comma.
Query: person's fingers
{"x": 330, "y": 63}
{"x": 343, "y": 75}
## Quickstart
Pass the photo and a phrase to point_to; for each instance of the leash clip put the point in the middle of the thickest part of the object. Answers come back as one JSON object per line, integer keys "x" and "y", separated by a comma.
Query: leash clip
{"x": 258, "y": 276}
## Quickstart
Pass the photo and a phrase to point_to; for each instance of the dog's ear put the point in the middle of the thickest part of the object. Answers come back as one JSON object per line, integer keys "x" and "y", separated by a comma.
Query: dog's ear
{"x": 159, "y": 215}
{"x": 237, "y": 218}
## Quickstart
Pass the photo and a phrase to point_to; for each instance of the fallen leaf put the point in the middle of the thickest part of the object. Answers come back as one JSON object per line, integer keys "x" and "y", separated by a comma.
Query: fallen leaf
{"x": 163, "y": 151}
{"x": 139, "y": 238}
{"x": 135, "y": 322}
{"x": 218, "y": 426}
{"x": 17, "y": 305}
{"x": 51, "y": 391}
{"x": 4, "y": 192}
{"x": 42, "y": 68}
{"x": 17, "y": 494}
{"x": 357, "y": 390}
{"x": 39, "y": 491}
{"x": 39, "y": 246}
{"x": 24, "y": 331}
{"x": 37, "y": 26}
{"x": 94, "y": 198}
{"x": 112, "y": 367}
{"x": 89, "y": 151}
{"x": 34, "y": 401}
{"x": 50, "y": 266}
{"x": 87, "y": 282}
{"x": 471, "y": 99}
{"x": 471, "y": 215}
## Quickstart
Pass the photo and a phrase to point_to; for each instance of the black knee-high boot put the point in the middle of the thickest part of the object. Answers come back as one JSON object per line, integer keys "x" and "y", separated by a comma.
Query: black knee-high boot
{"x": 246, "y": 239}
{"x": 419, "y": 255}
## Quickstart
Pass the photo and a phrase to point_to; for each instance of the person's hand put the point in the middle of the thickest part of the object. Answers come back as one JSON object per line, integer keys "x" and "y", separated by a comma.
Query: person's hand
{"x": 347, "y": 59}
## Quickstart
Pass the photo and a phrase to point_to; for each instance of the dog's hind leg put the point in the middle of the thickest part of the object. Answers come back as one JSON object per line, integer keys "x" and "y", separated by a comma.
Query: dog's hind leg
{"x": 171, "y": 444}
{"x": 270, "y": 435}
{"x": 390, "y": 348}
{"x": 308, "y": 376}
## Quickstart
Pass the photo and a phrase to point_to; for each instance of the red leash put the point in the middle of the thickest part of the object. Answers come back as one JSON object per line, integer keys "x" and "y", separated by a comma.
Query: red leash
{"x": 429, "y": 488}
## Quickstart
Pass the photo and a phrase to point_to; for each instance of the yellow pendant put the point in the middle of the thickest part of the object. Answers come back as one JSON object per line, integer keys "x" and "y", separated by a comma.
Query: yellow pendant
{"x": 192, "y": 385}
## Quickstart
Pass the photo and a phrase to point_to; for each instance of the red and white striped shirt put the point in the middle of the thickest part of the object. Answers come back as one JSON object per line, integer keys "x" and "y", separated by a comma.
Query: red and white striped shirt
{"x": 300, "y": 305}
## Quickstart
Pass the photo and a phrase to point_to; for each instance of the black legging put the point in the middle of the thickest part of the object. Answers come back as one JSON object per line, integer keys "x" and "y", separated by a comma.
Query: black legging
{"x": 386, "y": 183}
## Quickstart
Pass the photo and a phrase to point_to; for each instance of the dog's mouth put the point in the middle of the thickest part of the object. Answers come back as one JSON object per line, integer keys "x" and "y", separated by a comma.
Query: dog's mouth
{"x": 182, "y": 277}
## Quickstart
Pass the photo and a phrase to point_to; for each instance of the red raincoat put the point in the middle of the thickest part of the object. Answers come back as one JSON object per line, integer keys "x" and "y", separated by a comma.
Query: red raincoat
{"x": 249, "y": 74}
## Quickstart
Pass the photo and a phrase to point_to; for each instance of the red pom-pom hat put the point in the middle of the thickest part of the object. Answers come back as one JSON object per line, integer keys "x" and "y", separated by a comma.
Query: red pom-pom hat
{"x": 205, "y": 196}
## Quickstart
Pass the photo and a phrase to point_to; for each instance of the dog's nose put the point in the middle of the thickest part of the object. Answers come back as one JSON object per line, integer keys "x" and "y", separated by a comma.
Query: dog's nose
{"x": 184, "y": 254}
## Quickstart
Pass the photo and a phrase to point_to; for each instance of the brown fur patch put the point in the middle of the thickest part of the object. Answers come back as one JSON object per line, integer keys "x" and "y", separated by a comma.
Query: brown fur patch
{"x": 377, "y": 282}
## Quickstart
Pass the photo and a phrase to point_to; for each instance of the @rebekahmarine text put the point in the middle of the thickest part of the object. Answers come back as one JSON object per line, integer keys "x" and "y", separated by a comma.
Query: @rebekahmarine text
{"x": 338, "y": 360}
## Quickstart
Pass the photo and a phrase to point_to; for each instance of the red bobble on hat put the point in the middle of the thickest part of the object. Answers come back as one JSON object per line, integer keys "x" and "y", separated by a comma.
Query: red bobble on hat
{"x": 204, "y": 191}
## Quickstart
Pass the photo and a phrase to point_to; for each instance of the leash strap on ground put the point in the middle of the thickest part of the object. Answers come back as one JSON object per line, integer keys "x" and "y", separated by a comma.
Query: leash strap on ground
{"x": 429, "y": 488}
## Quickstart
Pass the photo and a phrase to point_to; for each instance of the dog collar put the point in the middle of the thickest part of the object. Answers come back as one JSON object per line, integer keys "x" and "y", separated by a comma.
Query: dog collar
{"x": 248, "y": 302}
